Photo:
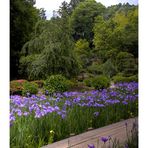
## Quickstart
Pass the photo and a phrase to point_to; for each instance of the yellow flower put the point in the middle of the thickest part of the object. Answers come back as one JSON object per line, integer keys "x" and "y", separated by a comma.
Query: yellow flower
{"x": 51, "y": 132}
{"x": 131, "y": 114}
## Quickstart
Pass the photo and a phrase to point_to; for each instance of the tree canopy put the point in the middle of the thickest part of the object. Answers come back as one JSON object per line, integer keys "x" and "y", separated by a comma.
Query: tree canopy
{"x": 120, "y": 31}
{"x": 49, "y": 52}
{"x": 84, "y": 37}
{"x": 82, "y": 19}
{"x": 23, "y": 17}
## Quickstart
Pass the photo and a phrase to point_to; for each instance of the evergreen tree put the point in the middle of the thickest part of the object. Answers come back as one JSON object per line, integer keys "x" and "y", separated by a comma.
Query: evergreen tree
{"x": 23, "y": 17}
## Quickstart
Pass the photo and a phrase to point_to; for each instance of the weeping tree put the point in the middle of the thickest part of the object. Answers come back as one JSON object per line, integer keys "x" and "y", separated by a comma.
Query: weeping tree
{"x": 50, "y": 51}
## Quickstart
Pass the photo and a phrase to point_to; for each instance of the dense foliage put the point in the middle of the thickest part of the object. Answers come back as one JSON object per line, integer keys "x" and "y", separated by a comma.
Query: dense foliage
{"x": 29, "y": 88}
{"x": 100, "y": 82}
{"x": 120, "y": 78}
{"x": 49, "y": 52}
{"x": 57, "y": 83}
{"x": 23, "y": 17}
{"x": 83, "y": 37}
{"x": 82, "y": 19}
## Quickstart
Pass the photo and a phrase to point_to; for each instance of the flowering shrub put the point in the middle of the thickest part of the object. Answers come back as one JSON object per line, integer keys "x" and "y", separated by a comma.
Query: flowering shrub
{"x": 16, "y": 86}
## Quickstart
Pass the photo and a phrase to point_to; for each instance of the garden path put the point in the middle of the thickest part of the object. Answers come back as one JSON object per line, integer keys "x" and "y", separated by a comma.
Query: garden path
{"x": 116, "y": 130}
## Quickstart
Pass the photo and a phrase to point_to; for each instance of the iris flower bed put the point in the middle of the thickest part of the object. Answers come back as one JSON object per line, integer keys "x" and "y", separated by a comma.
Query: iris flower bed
{"x": 42, "y": 119}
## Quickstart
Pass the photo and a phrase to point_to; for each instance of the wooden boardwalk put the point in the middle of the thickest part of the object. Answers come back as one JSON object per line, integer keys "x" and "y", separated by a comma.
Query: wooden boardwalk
{"x": 116, "y": 130}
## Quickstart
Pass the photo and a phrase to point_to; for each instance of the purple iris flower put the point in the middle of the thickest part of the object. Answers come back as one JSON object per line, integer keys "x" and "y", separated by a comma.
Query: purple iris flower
{"x": 68, "y": 103}
{"x": 124, "y": 102}
{"x": 98, "y": 105}
{"x": 104, "y": 139}
{"x": 126, "y": 146}
{"x": 91, "y": 146}
{"x": 25, "y": 113}
{"x": 112, "y": 101}
{"x": 63, "y": 116}
{"x": 56, "y": 108}
{"x": 12, "y": 117}
{"x": 76, "y": 100}
{"x": 42, "y": 98}
{"x": 38, "y": 113}
{"x": 59, "y": 113}
{"x": 50, "y": 109}
{"x": 83, "y": 104}
{"x": 31, "y": 108}
{"x": 96, "y": 114}
{"x": 19, "y": 113}
{"x": 28, "y": 94}
{"x": 46, "y": 92}
{"x": 57, "y": 99}
{"x": 47, "y": 103}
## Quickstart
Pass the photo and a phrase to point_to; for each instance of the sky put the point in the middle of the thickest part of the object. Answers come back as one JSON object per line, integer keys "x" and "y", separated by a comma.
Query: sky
{"x": 50, "y": 5}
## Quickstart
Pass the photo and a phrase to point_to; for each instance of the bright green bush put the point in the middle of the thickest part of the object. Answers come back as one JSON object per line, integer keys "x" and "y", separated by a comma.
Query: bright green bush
{"x": 30, "y": 87}
{"x": 16, "y": 87}
{"x": 57, "y": 83}
{"x": 119, "y": 78}
{"x": 100, "y": 82}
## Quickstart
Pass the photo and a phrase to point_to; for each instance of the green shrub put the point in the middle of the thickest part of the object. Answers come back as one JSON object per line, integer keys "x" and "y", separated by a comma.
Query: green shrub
{"x": 108, "y": 68}
{"x": 119, "y": 78}
{"x": 74, "y": 82}
{"x": 126, "y": 63}
{"x": 133, "y": 78}
{"x": 88, "y": 82}
{"x": 57, "y": 83}
{"x": 16, "y": 87}
{"x": 30, "y": 87}
{"x": 40, "y": 83}
{"x": 95, "y": 69}
{"x": 100, "y": 82}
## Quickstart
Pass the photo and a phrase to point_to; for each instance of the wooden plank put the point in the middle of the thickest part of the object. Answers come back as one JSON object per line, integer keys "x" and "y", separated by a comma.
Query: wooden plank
{"x": 116, "y": 130}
